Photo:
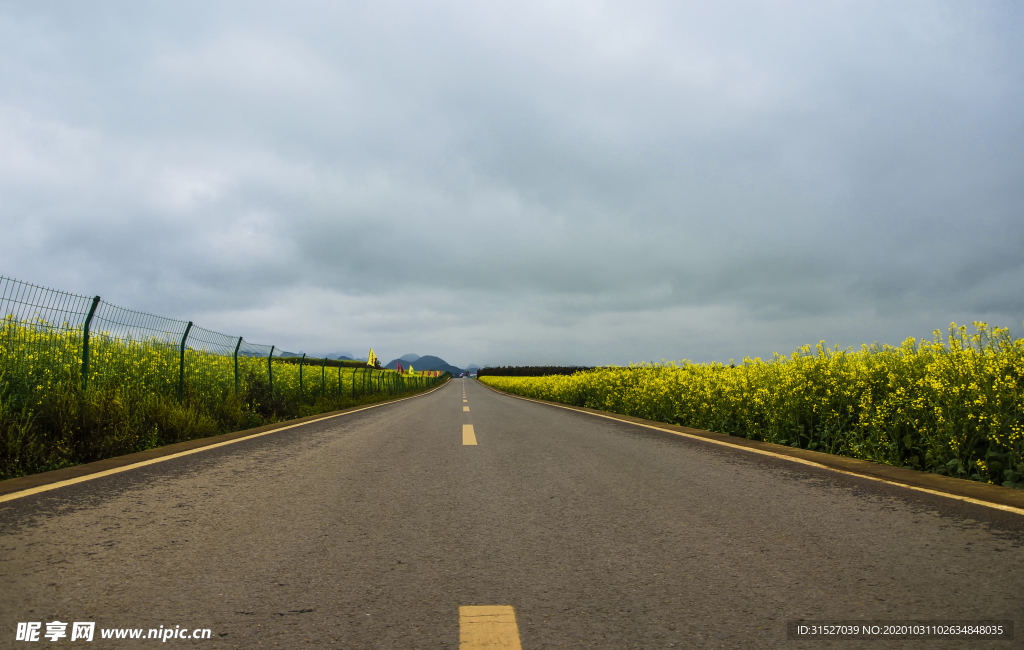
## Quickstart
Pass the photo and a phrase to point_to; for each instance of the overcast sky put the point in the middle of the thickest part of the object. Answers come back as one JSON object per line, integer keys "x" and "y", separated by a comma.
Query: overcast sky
{"x": 550, "y": 182}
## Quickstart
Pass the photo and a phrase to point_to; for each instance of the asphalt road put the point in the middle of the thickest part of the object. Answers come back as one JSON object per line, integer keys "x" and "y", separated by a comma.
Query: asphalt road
{"x": 371, "y": 530}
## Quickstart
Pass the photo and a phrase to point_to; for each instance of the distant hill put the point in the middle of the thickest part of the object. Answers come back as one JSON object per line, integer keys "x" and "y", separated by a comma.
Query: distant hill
{"x": 337, "y": 356}
{"x": 426, "y": 363}
{"x": 405, "y": 360}
{"x": 284, "y": 354}
{"x": 473, "y": 366}
{"x": 435, "y": 363}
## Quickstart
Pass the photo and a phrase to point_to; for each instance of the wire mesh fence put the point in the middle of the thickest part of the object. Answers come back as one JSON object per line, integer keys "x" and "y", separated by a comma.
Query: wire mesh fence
{"x": 50, "y": 338}
{"x": 40, "y": 335}
{"x": 82, "y": 380}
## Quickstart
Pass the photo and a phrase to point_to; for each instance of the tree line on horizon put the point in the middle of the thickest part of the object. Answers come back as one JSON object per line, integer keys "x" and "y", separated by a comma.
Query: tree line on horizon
{"x": 531, "y": 371}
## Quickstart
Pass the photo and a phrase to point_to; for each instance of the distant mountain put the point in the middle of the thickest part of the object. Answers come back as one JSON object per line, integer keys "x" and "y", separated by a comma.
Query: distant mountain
{"x": 435, "y": 363}
{"x": 340, "y": 356}
{"x": 473, "y": 366}
{"x": 405, "y": 360}
{"x": 425, "y": 363}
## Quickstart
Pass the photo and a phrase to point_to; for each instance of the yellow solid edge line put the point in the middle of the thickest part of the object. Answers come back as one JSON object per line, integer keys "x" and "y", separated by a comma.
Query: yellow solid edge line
{"x": 488, "y": 627}
{"x": 468, "y": 436}
{"x": 997, "y": 506}
{"x": 116, "y": 470}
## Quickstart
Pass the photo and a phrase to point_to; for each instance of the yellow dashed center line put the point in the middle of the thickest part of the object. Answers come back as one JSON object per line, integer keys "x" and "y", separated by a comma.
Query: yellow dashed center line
{"x": 468, "y": 437}
{"x": 465, "y": 408}
{"x": 488, "y": 627}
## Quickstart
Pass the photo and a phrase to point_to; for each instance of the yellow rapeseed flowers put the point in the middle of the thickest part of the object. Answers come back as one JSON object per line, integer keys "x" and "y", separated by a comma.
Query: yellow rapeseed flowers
{"x": 953, "y": 405}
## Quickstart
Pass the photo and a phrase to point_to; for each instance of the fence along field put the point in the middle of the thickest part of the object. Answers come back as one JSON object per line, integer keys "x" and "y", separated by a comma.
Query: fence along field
{"x": 82, "y": 380}
{"x": 953, "y": 406}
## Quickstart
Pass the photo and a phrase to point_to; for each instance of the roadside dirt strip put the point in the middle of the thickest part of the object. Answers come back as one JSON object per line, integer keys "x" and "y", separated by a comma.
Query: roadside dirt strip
{"x": 418, "y": 524}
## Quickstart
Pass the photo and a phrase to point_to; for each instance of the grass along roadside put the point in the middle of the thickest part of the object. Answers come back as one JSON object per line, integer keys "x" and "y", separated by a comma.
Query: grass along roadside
{"x": 44, "y": 481}
{"x": 72, "y": 428}
{"x": 49, "y": 421}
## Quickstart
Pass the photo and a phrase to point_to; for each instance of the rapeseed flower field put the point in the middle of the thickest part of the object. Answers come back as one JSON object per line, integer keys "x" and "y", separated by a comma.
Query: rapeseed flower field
{"x": 953, "y": 405}
{"x": 52, "y": 417}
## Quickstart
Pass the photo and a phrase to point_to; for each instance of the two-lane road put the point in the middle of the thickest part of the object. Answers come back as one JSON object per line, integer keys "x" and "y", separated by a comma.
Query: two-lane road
{"x": 371, "y": 530}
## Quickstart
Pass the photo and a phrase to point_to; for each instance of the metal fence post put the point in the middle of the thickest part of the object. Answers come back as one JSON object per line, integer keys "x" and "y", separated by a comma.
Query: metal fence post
{"x": 237, "y": 345}
{"x": 181, "y": 371}
{"x": 270, "y": 371}
{"x": 85, "y": 342}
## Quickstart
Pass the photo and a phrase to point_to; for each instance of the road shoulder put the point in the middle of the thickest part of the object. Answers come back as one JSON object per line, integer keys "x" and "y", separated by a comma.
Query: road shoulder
{"x": 994, "y": 496}
{"x": 10, "y": 488}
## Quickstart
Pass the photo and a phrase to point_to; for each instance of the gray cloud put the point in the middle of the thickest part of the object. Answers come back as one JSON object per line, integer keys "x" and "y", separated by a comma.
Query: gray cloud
{"x": 569, "y": 183}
